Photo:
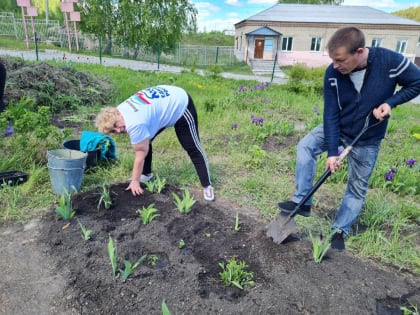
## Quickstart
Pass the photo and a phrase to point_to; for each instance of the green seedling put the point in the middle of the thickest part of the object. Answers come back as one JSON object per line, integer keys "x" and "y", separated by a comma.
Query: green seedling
{"x": 320, "y": 246}
{"x": 156, "y": 185}
{"x": 65, "y": 210}
{"x": 105, "y": 197}
{"x": 86, "y": 233}
{"x": 112, "y": 252}
{"x": 208, "y": 235}
{"x": 233, "y": 274}
{"x": 152, "y": 260}
{"x": 185, "y": 204}
{"x": 165, "y": 309}
{"x": 181, "y": 244}
{"x": 129, "y": 267}
{"x": 148, "y": 214}
{"x": 237, "y": 225}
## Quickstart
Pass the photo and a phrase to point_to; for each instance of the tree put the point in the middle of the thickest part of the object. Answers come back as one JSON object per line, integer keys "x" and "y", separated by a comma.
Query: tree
{"x": 412, "y": 13}
{"x": 332, "y": 2}
{"x": 152, "y": 24}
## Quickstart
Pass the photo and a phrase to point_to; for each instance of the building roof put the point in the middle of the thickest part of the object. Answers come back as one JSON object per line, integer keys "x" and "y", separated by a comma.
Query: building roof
{"x": 311, "y": 13}
{"x": 264, "y": 31}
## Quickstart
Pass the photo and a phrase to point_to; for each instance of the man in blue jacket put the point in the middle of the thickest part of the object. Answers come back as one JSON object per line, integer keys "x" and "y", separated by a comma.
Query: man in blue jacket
{"x": 359, "y": 81}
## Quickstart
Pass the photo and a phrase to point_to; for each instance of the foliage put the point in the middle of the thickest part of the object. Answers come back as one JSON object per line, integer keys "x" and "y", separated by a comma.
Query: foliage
{"x": 181, "y": 244}
{"x": 185, "y": 204}
{"x": 165, "y": 309}
{"x": 65, "y": 209}
{"x": 86, "y": 233}
{"x": 156, "y": 185}
{"x": 305, "y": 80}
{"x": 237, "y": 227}
{"x": 129, "y": 267}
{"x": 112, "y": 252}
{"x": 234, "y": 273}
{"x": 147, "y": 214}
{"x": 213, "y": 38}
{"x": 412, "y": 13}
{"x": 320, "y": 246}
{"x": 152, "y": 260}
{"x": 105, "y": 198}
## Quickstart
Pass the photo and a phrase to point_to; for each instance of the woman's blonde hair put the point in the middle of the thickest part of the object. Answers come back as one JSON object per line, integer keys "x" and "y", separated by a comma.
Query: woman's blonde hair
{"x": 106, "y": 119}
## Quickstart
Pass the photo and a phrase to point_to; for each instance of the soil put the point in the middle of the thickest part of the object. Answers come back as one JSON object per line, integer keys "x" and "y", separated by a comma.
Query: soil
{"x": 47, "y": 267}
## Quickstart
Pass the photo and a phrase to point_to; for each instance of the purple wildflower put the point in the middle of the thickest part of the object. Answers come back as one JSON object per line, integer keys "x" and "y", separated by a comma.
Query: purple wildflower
{"x": 389, "y": 176}
{"x": 393, "y": 170}
{"x": 9, "y": 130}
{"x": 234, "y": 126}
{"x": 411, "y": 162}
{"x": 316, "y": 110}
{"x": 242, "y": 89}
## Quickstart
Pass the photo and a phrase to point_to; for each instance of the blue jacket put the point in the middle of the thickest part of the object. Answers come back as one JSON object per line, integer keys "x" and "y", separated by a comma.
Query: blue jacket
{"x": 90, "y": 140}
{"x": 345, "y": 109}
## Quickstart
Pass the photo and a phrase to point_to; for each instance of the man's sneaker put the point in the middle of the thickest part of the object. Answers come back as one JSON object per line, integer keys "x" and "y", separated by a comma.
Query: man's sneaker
{"x": 146, "y": 178}
{"x": 288, "y": 206}
{"x": 337, "y": 241}
{"x": 208, "y": 193}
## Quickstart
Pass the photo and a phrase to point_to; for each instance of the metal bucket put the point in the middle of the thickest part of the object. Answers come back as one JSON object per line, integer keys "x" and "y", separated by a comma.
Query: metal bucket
{"x": 92, "y": 156}
{"x": 66, "y": 169}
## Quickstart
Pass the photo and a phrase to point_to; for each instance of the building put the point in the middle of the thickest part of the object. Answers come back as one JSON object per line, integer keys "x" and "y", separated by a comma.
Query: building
{"x": 298, "y": 33}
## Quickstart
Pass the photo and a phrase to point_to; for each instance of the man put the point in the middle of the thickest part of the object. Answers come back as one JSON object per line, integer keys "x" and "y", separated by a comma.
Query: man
{"x": 147, "y": 113}
{"x": 359, "y": 81}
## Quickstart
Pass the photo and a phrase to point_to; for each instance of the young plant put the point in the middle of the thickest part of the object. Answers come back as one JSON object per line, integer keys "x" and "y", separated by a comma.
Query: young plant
{"x": 152, "y": 260}
{"x": 156, "y": 185}
{"x": 185, "y": 204}
{"x": 86, "y": 233}
{"x": 65, "y": 209}
{"x": 165, "y": 309}
{"x": 129, "y": 267}
{"x": 233, "y": 273}
{"x": 237, "y": 225}
{"x": 148, "y": 214}
{"x": 181, "y": 244}
{"x": 320, "y": 246}
{"x": 112, "y": 252}
{"x": 105, "y": 197}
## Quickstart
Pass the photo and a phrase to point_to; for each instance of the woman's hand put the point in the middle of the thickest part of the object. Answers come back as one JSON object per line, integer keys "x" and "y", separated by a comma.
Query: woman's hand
{"x": 135, "y": 188}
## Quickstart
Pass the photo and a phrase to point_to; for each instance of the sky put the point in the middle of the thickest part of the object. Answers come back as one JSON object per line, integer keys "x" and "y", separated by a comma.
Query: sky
{"x": 221, "y": 15}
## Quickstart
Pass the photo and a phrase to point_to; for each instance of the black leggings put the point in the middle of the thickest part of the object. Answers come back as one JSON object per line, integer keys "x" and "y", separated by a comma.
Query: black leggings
{"x": 186, "y": 129}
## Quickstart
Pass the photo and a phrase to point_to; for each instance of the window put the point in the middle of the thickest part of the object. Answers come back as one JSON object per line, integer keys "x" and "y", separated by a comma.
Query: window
{"x": 268, "y": 44}
{"x": 376, "y": 42}
{"x": 287, "y": 43}
{"x": 316, "y": 43}
{"x": 401, "y": 46}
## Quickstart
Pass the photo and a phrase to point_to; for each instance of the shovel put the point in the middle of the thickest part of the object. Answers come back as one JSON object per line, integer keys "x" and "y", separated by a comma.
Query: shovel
{"x": 284, "y": 225}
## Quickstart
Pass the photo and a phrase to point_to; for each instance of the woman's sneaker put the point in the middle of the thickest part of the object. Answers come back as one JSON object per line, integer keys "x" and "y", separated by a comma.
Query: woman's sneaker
{"x": 146, "y": 178}
{"x": 288, "y": 206}
{"x": 208, "y": 193}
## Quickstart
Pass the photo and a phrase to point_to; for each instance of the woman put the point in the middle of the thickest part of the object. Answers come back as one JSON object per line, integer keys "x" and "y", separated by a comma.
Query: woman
{"x": 147, "y": 113}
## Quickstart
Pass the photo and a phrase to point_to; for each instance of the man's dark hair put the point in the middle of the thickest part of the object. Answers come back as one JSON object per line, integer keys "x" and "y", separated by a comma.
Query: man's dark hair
{"x": 350, "y": 37}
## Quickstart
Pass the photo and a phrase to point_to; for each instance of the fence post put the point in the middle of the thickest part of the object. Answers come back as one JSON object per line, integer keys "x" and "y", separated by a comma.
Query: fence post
{"x": 217, "y": 54}
{"x": 158, "y": 56}
{"x": 36, "y": 46}
{"x": 100, "y": 50}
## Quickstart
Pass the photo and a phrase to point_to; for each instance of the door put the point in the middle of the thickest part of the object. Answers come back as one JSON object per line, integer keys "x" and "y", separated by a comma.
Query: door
{"x": 259, "y": 48}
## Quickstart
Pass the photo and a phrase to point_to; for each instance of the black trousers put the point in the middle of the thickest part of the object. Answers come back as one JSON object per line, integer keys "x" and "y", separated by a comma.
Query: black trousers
{"x": 2, "y": 86}
{"x": 186, "y": 129}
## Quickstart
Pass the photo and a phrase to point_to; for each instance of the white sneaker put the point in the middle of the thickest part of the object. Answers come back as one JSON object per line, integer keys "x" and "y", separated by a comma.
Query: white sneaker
{"x": 208, "y": 193}
{"x": 146, "y": 178}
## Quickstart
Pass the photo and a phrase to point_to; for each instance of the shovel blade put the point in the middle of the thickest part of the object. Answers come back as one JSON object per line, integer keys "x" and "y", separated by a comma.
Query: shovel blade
{"x": 281, "y": 228}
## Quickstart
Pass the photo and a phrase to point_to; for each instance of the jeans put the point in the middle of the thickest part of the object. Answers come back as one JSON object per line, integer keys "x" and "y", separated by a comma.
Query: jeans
{"x": 361, "y": 161}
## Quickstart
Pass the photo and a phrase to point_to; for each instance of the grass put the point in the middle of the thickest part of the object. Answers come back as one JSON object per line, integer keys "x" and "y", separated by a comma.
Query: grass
{"x": 251, "y": 165}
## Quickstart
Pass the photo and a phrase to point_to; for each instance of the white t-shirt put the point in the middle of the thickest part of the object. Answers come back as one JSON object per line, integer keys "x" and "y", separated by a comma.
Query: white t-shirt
{"x": 152, "y": 109}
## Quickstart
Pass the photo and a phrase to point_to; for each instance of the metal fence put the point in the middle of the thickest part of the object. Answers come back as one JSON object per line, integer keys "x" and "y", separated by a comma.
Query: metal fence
{"x": 53, "y": 33}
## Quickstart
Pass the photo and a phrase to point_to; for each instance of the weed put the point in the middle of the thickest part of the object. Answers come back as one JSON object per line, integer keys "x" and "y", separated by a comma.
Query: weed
{"x": 65, "y": 209}
{"x": 86, "y": 233}
{"x": 185, "y": 204}
{"x": 129, "y": 267}
{"x": 233, "y": 273}
{"x": 152, "y": 260}
{"x": 112, "y": 252}
{"x": 181, "y": 244}
{"x": 148, "y": 214}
